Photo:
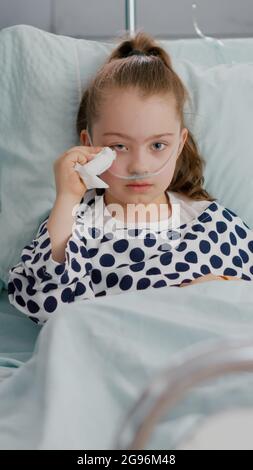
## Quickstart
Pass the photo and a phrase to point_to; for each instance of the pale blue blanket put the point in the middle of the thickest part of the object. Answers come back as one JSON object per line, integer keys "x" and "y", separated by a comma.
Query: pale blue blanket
{"x": 92, "y": 359}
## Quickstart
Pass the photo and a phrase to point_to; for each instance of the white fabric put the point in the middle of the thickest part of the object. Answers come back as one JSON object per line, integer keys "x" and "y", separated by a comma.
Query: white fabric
{"x": 184, "y": 209}
{"x": 96, "y": 166}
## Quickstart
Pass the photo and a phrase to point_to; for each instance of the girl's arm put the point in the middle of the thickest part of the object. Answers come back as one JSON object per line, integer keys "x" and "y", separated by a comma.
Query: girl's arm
{"x": 246, "y": 252}
{"x": 51, "y": 271}
{"x": 210, "y": 277}
{"x": 243, "y": 237}
{"x": 39, "y": 284}
{"x": 60, "y": 224}
{"x": 243, "y": 240}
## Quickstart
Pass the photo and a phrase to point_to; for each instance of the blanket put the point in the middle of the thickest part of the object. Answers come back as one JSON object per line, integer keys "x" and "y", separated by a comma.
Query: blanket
{"x": 92, "y": 360}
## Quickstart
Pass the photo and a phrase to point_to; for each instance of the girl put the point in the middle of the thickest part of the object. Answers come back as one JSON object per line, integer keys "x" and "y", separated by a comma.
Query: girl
{"x": 134, "y": 105}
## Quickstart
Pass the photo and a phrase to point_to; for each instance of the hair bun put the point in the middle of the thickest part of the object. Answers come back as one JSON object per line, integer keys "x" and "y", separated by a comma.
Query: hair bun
{"x": 136, "y": 52}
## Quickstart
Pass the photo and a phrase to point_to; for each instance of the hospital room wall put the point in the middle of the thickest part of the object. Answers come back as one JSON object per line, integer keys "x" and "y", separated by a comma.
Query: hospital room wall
{"x": 102, "y": 19}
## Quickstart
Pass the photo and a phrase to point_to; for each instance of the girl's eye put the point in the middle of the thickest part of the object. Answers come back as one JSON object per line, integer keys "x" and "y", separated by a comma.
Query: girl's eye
{"x": 118, "y": 145}
{"x": 161, "y": 143}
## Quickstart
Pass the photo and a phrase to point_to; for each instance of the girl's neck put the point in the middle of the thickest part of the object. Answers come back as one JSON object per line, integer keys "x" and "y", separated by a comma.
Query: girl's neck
{"x": 163, "y": 210}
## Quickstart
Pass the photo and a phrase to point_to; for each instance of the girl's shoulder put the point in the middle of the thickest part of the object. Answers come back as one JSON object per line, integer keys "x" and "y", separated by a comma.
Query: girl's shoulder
{"x": 208, "y": 211}
{"x": 185, "y": 208}
{"x": 184, "y": 199}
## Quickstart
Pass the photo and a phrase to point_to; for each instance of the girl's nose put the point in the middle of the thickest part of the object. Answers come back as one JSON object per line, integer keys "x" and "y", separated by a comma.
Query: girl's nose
{"x": 138, "y": 162}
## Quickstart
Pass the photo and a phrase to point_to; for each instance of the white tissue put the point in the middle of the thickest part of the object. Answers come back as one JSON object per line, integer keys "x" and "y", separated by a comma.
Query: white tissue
{"x": 94, "y": 167}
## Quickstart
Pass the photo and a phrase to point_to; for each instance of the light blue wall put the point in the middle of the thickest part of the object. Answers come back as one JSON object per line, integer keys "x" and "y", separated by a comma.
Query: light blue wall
{"x": 103, "y": 19}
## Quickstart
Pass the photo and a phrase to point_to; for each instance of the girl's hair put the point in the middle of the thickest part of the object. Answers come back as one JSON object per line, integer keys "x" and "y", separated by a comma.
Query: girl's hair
{"x": 150, "y": 72}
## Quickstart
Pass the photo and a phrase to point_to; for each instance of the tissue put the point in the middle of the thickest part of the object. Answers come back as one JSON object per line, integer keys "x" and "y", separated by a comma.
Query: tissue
{"x": 96, "y": 166}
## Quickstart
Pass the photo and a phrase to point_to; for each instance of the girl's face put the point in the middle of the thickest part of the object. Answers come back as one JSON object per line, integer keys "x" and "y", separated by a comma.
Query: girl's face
{"x": 138, "y": 121}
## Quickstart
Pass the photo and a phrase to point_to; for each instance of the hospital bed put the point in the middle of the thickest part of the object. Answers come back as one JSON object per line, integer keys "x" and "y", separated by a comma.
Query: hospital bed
{"x": 41, "y": 81}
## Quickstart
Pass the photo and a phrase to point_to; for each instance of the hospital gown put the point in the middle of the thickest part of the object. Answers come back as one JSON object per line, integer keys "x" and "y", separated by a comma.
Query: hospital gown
{"x": 104, "y": 257}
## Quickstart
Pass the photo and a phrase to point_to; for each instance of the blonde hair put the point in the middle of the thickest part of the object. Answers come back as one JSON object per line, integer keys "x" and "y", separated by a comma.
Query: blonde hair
{"x": 149, "y": 71}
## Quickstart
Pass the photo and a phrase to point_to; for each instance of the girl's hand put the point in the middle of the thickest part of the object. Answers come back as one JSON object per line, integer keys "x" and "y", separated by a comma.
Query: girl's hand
{"x": 67, "y": 179}
{"x": 210, "y": 277}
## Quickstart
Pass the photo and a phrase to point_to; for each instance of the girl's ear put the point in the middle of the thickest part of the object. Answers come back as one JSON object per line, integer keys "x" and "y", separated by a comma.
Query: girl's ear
{"x": 184, "y": 135}
{"x": 84, "y": 138}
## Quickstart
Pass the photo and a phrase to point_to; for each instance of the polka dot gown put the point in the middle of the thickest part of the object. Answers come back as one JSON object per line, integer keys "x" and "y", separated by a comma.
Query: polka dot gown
{"x": 101, "y": 262}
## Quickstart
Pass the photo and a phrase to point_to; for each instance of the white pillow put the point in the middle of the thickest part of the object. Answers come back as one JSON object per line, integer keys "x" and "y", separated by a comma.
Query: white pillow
{"x": 223, "y": 104}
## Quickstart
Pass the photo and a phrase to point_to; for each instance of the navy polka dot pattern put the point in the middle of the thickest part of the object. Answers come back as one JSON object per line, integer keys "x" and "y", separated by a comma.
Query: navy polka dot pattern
{"x": 100, "y": 262}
